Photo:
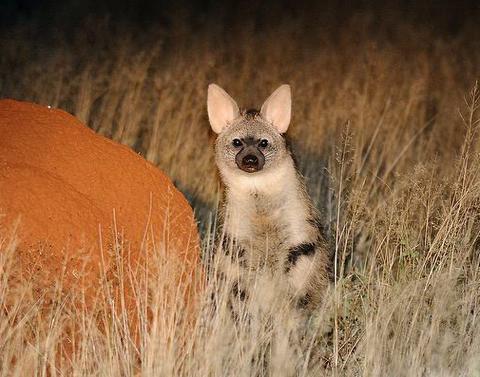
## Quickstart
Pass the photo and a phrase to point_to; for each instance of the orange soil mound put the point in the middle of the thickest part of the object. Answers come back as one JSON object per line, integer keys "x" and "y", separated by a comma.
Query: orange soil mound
{"x": 68, "y": 186}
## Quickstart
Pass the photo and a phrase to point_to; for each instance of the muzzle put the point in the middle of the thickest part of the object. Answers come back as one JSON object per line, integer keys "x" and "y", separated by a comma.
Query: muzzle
{"x": 250, "y": 159}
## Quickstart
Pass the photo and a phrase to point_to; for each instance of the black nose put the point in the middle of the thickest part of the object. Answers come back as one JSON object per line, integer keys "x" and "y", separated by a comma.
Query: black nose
{"x": 250, "y": 160}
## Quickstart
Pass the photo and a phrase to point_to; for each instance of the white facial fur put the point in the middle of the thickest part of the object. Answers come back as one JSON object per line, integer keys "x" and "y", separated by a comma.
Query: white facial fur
{"x": 249, "y": 128}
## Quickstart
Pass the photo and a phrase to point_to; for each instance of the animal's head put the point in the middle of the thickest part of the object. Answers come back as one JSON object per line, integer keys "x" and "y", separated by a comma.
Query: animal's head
{"x": 250, "y": 142}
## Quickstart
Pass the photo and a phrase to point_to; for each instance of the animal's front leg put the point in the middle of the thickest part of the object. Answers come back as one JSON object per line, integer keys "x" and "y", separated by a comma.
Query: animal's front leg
{"x": 237, "y": 298}
{"x": 307, "y": 271}
{"x": 231, "y": 264}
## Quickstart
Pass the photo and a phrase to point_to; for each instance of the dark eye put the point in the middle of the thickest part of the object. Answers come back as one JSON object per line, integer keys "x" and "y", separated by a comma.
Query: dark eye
{"x": 237, "y": 143}
{"x": 264, "y": 143}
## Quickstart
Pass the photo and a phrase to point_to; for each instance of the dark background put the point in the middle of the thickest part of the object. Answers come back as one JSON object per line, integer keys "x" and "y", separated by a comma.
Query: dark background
{"x": 53, "y": 16}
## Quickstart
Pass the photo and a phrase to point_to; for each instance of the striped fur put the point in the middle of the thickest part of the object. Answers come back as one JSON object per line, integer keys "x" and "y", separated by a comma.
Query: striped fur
{"x": 269, "y": 224}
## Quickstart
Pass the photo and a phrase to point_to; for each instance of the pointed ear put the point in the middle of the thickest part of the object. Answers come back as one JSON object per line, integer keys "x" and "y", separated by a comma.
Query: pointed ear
{"x": 277, "y": 109}
{"x": 222, "y": 109}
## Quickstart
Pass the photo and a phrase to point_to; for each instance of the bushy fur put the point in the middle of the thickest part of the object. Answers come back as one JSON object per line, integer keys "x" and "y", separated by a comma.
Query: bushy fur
{"x": 270, "y": 228}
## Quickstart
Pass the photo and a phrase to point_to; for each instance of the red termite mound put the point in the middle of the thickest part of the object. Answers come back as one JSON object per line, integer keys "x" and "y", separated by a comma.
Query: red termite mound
{"x": 78, "y": 198}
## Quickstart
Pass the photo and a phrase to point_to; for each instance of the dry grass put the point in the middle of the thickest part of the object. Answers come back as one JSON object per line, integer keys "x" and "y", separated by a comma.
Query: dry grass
{"x": 385, "y": 129}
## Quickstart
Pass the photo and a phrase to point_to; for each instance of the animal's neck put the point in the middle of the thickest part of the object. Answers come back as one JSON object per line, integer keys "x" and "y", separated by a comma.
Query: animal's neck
{"x": 278, "y": 185}
{"x": 268, "y": 199}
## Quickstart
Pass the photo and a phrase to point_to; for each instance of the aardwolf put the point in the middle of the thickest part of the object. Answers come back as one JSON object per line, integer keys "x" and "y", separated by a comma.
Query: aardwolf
{"x": 270, "y": 226}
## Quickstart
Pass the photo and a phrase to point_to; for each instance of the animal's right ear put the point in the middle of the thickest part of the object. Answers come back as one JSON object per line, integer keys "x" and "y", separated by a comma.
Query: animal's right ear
{"x": 277, "y": 109}
{"x": 222, "y": 109}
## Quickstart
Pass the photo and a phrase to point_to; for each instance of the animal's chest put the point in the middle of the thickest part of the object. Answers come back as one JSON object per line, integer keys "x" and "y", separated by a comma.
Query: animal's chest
{"x": 267, "y": 224}
{"x": 266, "y": 242}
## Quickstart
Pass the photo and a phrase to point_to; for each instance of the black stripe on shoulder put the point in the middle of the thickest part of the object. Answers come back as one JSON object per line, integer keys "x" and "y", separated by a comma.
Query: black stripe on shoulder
{"x": 229, "y": 244}
{"x": 226, "y": 244}
{"x": 297, "y": 251}
{"x": 304, "y": 301}
{"x": 238, "y": 292}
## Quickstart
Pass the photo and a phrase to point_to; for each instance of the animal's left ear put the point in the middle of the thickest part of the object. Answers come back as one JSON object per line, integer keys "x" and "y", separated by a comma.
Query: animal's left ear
{"x": 277, "y": 109}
